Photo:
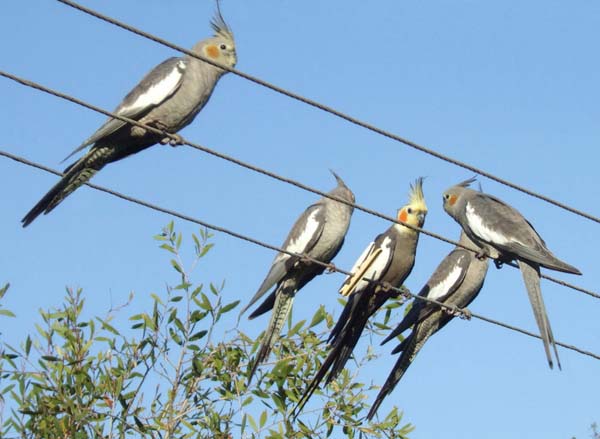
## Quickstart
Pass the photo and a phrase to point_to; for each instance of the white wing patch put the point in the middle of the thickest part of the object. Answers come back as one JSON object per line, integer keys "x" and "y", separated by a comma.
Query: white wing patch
{"x": 378, "y": 265}
{"x": 442, "y": 288}
{"x": 366, "y": 252}
{"x": 479, "y": 228}
{"x": 299, "y": 244}
{"x": 158, "y": 92}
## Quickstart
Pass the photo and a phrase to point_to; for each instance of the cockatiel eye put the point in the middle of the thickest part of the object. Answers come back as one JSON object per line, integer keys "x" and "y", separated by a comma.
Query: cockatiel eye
{"x": 223, "y": 47}
{"x": 409, "y": 210}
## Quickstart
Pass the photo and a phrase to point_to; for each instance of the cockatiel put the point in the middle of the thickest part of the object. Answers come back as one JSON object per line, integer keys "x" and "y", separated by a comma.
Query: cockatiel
{"x": 318, "y": 233}
{"x": 167, "y": 98}
{"x": 389, "y": 259}
{"x": 504, "y": 234}
{"x": 455, "y": 282}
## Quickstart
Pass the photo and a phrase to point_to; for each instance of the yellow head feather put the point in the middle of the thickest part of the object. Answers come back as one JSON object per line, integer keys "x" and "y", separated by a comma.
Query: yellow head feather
{"x": 415, "y": 211}
{"x": 416, "y": 197}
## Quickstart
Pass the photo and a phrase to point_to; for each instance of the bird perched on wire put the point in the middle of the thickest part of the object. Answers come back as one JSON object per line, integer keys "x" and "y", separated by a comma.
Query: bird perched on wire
{"x": 388, "y": 260}
{"x": 168, "y": 98}
{"x": 456, "y": 282}
{"x": 504, "y": 234}
{"x": 319, "y": 233}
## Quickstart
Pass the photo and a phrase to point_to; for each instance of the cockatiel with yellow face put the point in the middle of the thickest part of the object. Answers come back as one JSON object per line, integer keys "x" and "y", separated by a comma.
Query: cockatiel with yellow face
{"x": 168, "y": 98}
{"x": 389, "y": 259}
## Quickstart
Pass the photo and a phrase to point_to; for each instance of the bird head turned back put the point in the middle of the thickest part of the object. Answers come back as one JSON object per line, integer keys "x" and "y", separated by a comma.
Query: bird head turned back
{"x": 341, "y": 190}
{"x": 453, "y": 198}
{"x": 415, "y": 211}
{"x": 221, "y": 46}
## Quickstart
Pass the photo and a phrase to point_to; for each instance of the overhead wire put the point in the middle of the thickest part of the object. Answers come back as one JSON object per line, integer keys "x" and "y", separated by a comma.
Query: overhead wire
{"x": 263, "y": 171}
{"x": 464, "y": 312}
{"x": 332, "y": 111}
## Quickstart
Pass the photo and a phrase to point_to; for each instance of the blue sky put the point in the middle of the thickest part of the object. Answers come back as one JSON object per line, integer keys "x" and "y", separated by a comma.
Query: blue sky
{"x": 511, "y": 87}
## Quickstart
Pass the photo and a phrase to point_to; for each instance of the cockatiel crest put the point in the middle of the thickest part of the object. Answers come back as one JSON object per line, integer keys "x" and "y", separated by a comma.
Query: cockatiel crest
{"x": 415, "y": 211}
{"x": 220, "y": 27}
{"x": 220, "y": 47}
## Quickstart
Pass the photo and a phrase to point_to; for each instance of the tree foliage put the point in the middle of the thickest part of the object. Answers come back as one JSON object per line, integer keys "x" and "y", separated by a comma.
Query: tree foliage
{"x": 178, "y": 370}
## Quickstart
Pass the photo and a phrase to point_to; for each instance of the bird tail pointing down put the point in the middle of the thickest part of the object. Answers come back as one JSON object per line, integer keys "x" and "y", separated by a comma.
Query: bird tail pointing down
{"x": 281, "y": 309}
{"x": 74, "y": 176}
{"x": 531, "y": 277}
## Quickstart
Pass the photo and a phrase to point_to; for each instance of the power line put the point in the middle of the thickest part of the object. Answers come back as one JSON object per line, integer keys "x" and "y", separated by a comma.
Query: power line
{"x": 332, "y": 111}
{"x": 464, "y": 312}
{"x": 273, "y": 175}
{"x": 267, "y": 173}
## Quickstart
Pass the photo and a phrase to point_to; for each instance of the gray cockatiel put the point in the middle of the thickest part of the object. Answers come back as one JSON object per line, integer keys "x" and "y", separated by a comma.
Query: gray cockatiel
{"x": 167, "y": 98}
{"x": 504, "y": 234}
{"x": 318, "y": 233}
{"x": 388, "y": 259}
{"x": 455, "y": 282}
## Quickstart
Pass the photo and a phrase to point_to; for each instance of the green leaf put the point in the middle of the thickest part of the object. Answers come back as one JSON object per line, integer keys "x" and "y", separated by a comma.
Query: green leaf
{"x": 198, "y": 335}
{"x": 149, "y": 322}
{"x": 169, "y": 248}
{"x": 205, "y": 249}
{"x": 3, "y": 290}
{"x": 108, "y": 327}
{"x": 318, "y": 317}
{"x": 296, "y": 328}
{"x": 27, "y": 345}
{"x": 229, "y": 306}
{"x": 381, "y": 325}
{"x": 263, "y": 419}
{"x": 176, "y": 266}
{"x": 252, "y": 423}
{"x": 5, "y": 312}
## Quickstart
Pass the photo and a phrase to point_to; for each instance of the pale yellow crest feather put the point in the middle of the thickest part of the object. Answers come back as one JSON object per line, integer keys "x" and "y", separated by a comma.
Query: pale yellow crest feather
{"x": 416, "y": 198}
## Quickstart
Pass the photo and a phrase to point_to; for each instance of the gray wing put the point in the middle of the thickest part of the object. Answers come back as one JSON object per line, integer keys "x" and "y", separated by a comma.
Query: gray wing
{"x": 158, "y": 85}
{"x": 501, "y": 225}
{"x": 443, "y": 283}
{"x": 302, "y": 238}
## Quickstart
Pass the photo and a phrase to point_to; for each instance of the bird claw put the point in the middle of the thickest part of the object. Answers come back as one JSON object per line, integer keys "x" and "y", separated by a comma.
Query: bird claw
{"x": 498, "y": 263}
{"x": 455, "y": 311}
{"x": 172, "y": 139}
{"x": 305, "y": 259}
{"x": 466, "y": 314}
{"x": 386, "y": 286}
{"x": 404, "y": 293}
{"x": 481, "y": 255}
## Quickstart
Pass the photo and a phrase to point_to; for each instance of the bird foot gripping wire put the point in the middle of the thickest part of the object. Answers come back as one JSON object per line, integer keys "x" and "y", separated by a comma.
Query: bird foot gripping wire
{"x": 172, "y": 139}
{"x": 331, "y": 268}
{"x": 404, "y": 294}
{"x": 455, "y": 311}
{"x": 482, "y": 255}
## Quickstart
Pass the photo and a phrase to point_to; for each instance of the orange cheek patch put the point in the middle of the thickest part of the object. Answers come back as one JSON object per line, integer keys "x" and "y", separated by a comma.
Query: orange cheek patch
{"x": 403, "y": 216}
{"x": 212, "y": 51}
{"x": 452, "y": 200}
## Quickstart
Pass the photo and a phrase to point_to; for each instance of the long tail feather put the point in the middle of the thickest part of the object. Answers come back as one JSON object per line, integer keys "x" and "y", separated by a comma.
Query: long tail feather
{"x": 337, "y": 358}
{"x": 531, "y": 277}
{"x": 314, "y": 384}
{"x": 75, "y": 176}
{"x": 281, "y": 309}
{"x": 410, "y": 347}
